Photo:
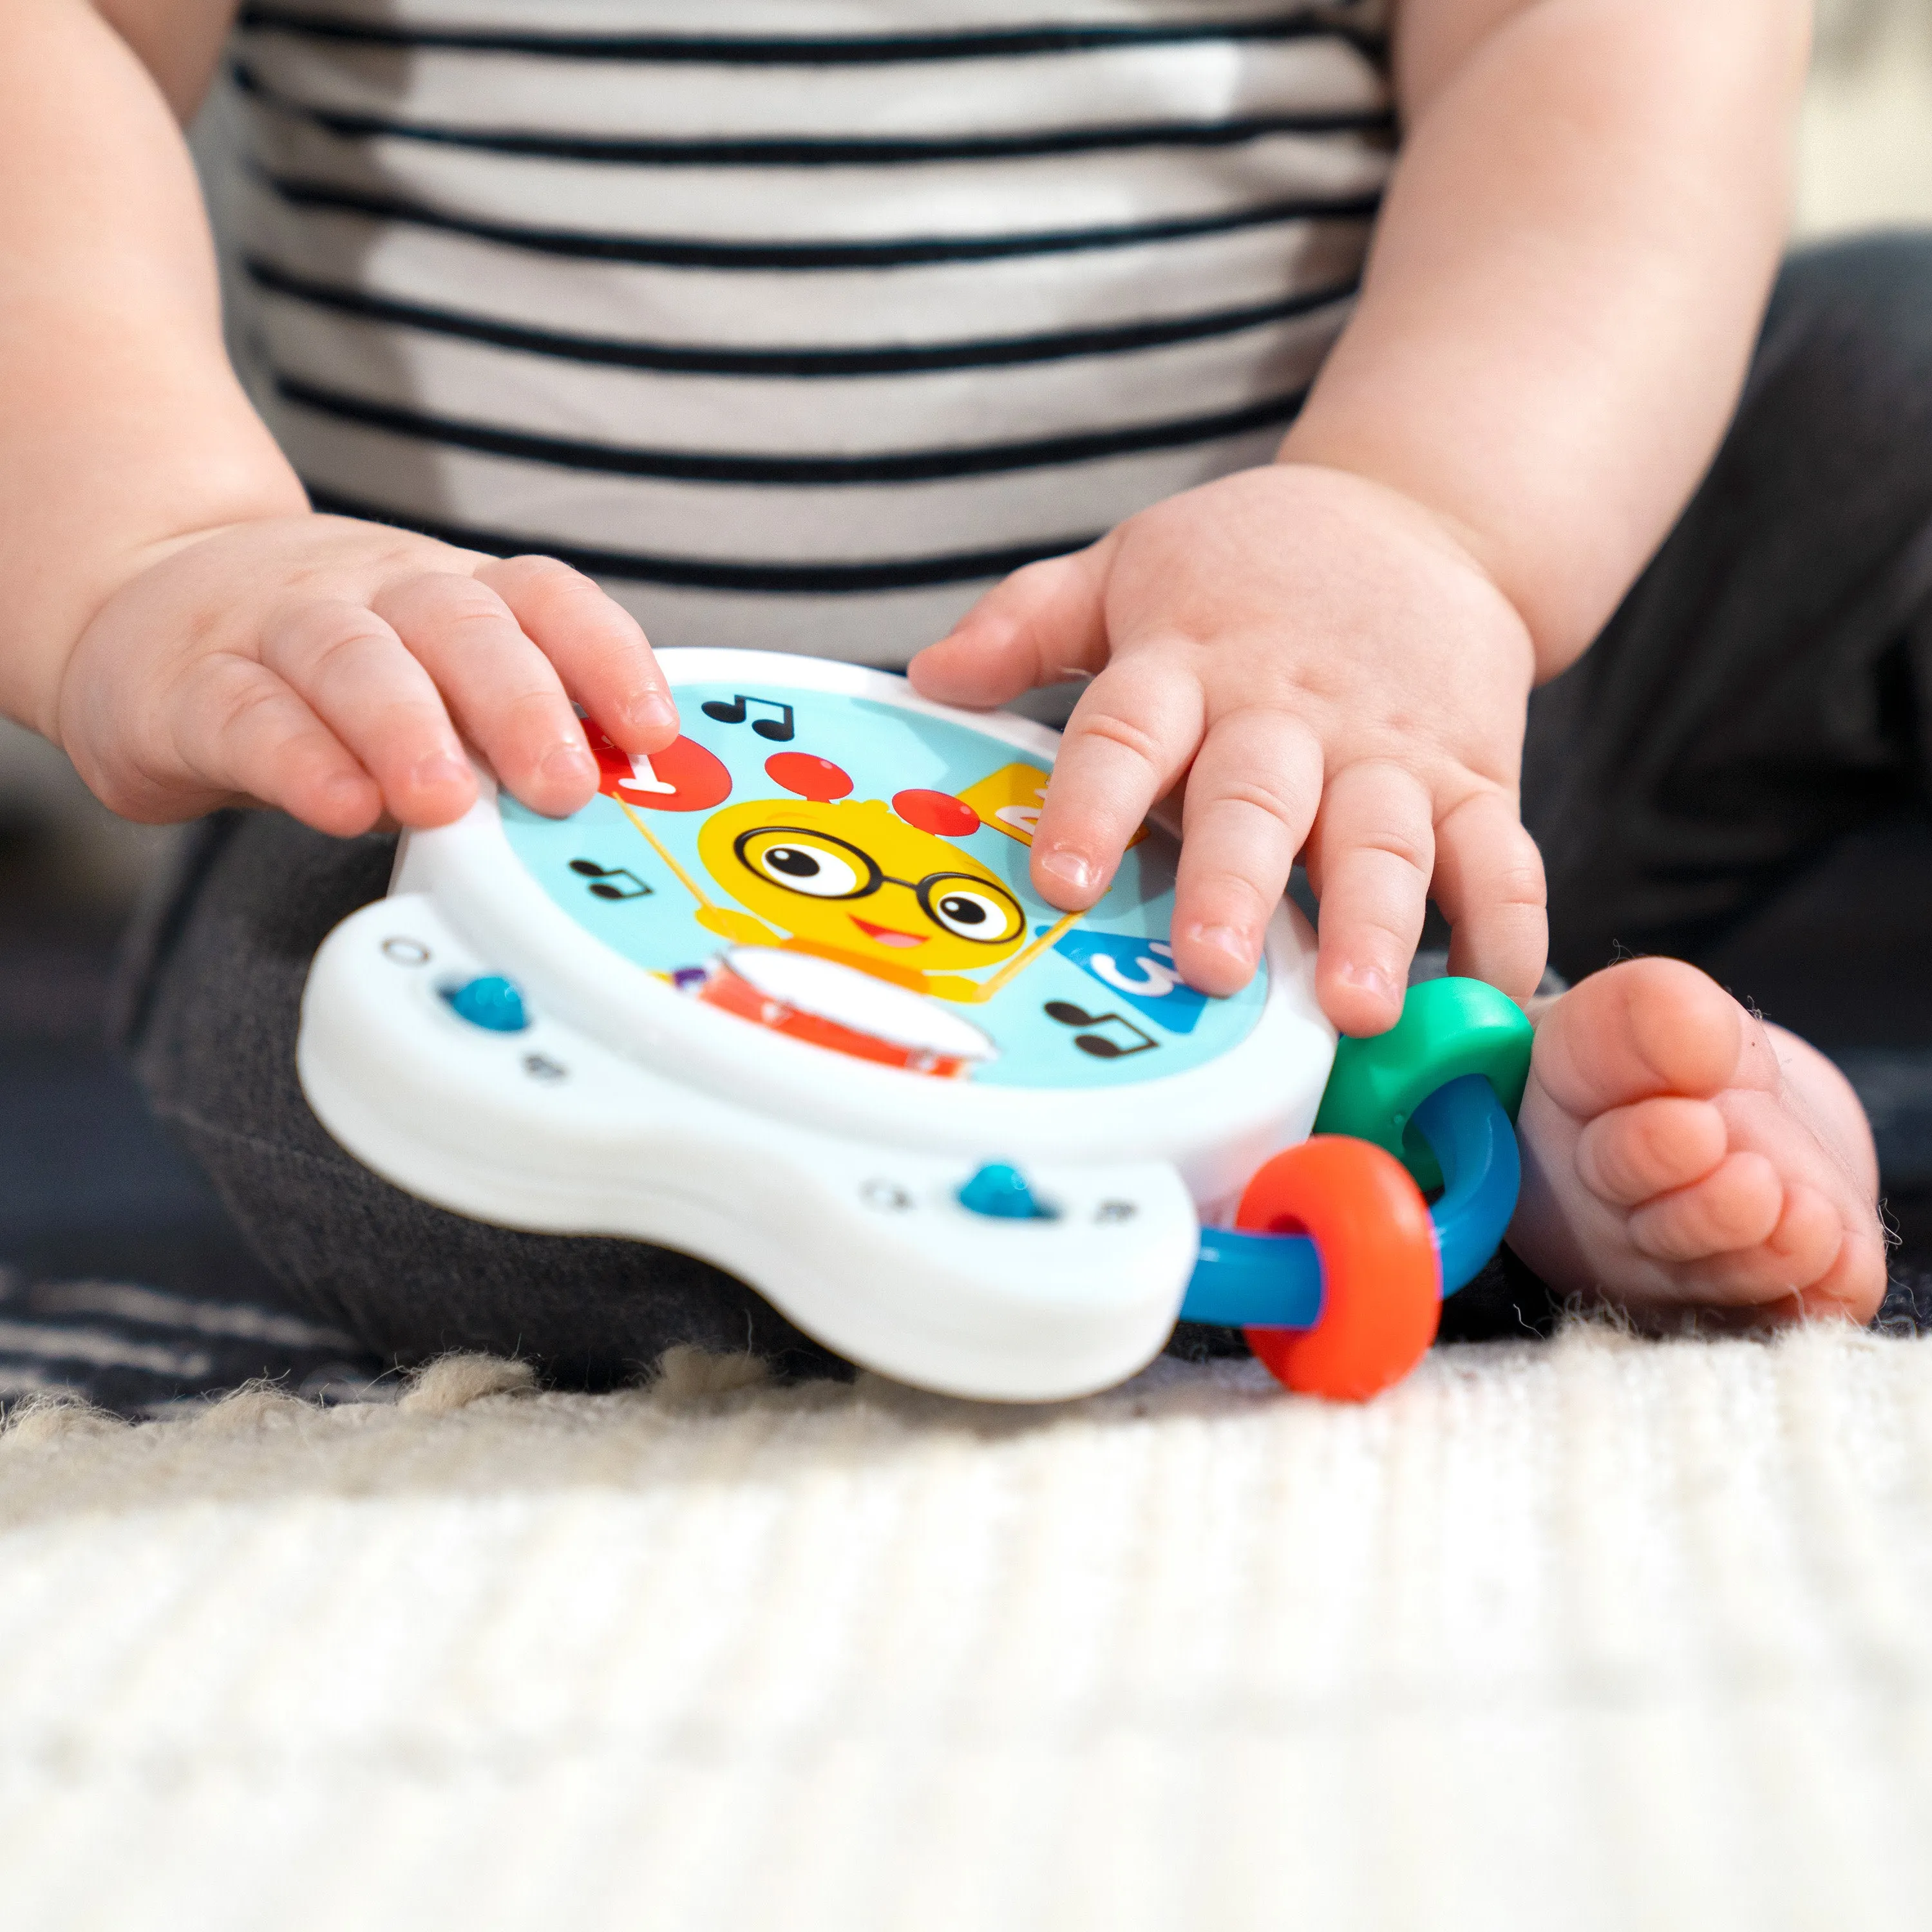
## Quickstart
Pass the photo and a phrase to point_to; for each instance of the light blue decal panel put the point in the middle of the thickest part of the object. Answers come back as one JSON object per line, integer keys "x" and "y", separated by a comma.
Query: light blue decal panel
{"x": 835, "y": 848}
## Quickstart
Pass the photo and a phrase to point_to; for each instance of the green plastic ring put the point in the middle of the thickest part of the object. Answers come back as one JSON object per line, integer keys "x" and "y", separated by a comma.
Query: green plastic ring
{"x": 1448, "y": 1027}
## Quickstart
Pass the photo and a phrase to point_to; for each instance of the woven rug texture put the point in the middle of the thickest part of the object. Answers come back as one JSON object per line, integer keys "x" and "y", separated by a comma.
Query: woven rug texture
{"x": 1597, "y": 1633}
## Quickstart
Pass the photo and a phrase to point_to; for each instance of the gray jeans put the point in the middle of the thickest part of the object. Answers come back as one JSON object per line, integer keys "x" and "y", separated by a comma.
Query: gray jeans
{"x": 1763, "y": 691}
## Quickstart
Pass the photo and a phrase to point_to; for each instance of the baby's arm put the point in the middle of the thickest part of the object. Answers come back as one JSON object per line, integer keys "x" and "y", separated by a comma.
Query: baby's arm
{"x": 174, "y": 615}
{"x": 1336, "y": 652}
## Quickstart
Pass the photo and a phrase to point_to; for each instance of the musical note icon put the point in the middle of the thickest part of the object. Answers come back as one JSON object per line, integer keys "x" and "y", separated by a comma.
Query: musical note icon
{"x": 778, "y": 730}
{"x": 611, "y": 882}
{"x": 644, "y": 779}
{"x": 1097, "y": 1043}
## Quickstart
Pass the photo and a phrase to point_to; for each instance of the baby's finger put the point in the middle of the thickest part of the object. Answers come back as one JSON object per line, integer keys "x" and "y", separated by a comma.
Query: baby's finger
{"x": 243, "y": 733}
{"x": 1130, "y": 738}
{"x": 1488, "y": 886}
{"x": 1374, "y": 850}
{"x": 598, "y": 648}
{"x": 351, "y": 669}
{"x": 504, "y": 692}
{"x": 1251, "y": 795}
{"x": 1043, "y": 625}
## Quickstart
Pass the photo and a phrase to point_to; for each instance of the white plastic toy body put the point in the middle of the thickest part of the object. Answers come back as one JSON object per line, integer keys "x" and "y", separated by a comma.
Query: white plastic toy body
{"x": 783, "y": 998}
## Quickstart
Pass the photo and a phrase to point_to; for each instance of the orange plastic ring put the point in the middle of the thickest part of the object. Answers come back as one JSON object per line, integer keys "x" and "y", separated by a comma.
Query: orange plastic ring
{"x": 1381, "y": 1289}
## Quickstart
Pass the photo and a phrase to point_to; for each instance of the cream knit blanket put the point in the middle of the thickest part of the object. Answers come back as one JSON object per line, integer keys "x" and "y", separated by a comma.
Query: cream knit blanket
{"x": 1602, "y": 1634}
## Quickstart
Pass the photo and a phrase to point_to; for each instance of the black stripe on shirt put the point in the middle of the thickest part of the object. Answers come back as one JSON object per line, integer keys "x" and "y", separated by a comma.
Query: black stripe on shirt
{"x": 702, "y": 574}
{"x": 810, "y": 153}
{"x": 816, "y": 50}
{"x": 918, "y": 466}
{"x": 802, "y": 363}
{"x": 675, "y": 252}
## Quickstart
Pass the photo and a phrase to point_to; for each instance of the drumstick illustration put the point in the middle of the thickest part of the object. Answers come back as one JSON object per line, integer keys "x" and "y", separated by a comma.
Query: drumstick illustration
{"x": 1020, "y": 962}
{"x": 656, "y": 844}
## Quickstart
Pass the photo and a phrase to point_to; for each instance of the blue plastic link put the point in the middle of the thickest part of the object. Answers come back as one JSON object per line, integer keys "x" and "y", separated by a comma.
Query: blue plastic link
{"x": 1474, "y": 1145}
{"x": 1254, "y": 1281}
{"x": 1274, "y": 1281}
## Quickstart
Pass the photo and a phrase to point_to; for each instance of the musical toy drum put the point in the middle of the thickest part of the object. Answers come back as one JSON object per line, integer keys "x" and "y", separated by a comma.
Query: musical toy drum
{"x": 782, "y": 996}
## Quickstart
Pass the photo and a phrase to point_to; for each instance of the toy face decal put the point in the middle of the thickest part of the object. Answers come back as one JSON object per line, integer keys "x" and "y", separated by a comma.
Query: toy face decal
{"x": 865, "y": 890}
{"x": 875, "y": 890}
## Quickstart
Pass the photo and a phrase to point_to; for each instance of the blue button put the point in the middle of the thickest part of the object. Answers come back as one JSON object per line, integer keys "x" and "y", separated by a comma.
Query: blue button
{"x": 1001, "y": 1191}
{"x": 490, "y": 1001}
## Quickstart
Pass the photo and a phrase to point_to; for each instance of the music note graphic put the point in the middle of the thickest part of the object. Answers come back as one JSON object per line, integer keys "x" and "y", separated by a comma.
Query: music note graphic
{"x": 611, "y": 882}
{"x": 1067, "y": 1014}
{"x": 778, "y": 730}
{"x": 644, "y": 779}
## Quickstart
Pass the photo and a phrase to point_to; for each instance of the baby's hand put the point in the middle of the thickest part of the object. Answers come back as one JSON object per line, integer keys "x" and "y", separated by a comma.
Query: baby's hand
{"x": 328, "y": 667}
{"x": 1325, "y": 667}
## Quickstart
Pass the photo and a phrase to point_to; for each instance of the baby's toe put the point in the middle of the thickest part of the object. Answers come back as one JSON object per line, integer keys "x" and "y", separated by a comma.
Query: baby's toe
{"x": 1632, "y": 1154}
{"x": 1645, "y": 1028}
{"x": 1738, "y": 1204}
{"x": 1799, "y": 1252}
{"x": 1854, "y": 1285}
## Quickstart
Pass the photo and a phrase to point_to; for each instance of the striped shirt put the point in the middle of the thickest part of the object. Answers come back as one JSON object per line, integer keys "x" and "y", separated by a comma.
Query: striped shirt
{"x": 797, "y": 323}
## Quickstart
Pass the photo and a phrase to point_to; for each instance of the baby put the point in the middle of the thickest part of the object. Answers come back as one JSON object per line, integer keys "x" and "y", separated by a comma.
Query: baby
{"x": 802, "y": 326}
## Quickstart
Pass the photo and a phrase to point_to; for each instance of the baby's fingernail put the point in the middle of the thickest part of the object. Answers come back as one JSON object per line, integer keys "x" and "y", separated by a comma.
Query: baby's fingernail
{"x": 1077, "y": 873}
{"x": 568, "y": 760}
{"x": 652, "y": 712}
{"x": 442, "y": 769}
{"x": 1370, "y": 978}
{"x": 1228, "y": 939}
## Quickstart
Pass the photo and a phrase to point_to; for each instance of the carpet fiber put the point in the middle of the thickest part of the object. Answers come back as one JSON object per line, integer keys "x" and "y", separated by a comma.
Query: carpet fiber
{"x": 1597, "y": 1633}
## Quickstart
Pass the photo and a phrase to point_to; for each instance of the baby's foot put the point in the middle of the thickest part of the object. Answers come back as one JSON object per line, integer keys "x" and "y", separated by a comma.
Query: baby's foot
{"x": 1678, "y": 1153}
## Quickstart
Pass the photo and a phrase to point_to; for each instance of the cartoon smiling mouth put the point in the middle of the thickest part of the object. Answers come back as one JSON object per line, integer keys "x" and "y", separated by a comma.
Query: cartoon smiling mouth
{"x": 887, "y": 935}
